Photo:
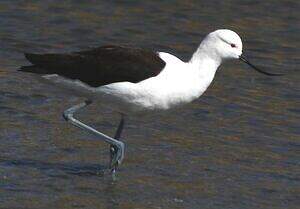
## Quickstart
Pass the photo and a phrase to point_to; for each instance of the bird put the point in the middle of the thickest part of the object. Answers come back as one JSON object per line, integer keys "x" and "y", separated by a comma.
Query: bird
{"x": 133, "y": 80}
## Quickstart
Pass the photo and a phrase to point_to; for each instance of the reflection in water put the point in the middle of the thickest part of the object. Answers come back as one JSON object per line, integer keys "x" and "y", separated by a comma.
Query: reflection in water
{"x": 236, "y": 147}
{"x": 81, "y": 170}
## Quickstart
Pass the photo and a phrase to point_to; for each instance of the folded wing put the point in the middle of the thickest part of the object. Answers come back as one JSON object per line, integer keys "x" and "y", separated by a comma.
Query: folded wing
{"x": 99, "y": 66}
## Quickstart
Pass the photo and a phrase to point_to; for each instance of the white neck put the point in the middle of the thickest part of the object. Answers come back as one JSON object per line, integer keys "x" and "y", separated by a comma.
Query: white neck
{"x": 206, "y": 63}
{"x": 205, "y": 57}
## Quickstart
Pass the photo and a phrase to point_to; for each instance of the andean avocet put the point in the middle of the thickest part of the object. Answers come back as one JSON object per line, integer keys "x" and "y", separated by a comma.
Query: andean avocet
{"x": 134, "y": 80}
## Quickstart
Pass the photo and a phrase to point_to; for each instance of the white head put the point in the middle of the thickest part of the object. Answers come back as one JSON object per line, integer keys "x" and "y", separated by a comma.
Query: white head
{"x": 224, "y": 44}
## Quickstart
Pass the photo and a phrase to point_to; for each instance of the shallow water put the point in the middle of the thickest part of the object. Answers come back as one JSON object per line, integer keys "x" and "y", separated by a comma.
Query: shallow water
{"x": 236, "y": 147}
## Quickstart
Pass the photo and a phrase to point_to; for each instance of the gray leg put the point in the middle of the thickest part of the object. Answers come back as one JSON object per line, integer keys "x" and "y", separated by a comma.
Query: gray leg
{"x": 113, "y": 148}
{"x": 68, "y": 116}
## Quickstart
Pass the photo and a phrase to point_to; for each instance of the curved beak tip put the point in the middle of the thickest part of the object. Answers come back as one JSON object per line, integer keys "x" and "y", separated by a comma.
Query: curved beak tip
{"x": 243, "y": 58}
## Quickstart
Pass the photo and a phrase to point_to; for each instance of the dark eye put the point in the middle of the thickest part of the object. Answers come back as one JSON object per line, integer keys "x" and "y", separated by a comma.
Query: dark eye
{"x": 233, "y": 45}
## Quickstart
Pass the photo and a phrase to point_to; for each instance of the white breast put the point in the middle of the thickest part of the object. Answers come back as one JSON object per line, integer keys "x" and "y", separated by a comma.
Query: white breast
{"x": 177, "y": 84}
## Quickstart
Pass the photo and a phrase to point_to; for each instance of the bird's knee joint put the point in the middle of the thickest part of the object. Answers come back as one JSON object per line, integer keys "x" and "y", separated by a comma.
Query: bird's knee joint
{"x": 67, "y": 116}
{"x": 121, "y": 145}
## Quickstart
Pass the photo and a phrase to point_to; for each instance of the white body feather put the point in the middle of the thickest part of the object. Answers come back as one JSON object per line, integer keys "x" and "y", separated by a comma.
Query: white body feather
{"x": 178, "y": 83}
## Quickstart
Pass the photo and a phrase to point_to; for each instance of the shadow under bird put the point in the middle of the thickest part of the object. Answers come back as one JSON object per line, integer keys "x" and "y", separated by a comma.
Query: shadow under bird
{"x": 136, "y": 80}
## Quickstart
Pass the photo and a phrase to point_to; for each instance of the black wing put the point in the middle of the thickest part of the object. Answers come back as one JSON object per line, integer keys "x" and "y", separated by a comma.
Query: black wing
{"x": 99, "y": 66}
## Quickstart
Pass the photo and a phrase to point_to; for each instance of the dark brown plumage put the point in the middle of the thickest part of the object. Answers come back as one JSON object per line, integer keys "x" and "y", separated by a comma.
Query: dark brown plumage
{"x": 99, "y": 66}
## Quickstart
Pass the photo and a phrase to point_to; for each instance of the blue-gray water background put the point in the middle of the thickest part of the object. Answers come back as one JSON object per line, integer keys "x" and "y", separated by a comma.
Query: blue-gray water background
{"x": 236, "y": 147}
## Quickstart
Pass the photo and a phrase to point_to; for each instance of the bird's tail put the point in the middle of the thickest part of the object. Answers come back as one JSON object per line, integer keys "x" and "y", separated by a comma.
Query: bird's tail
{"x": 43, "y": 63}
